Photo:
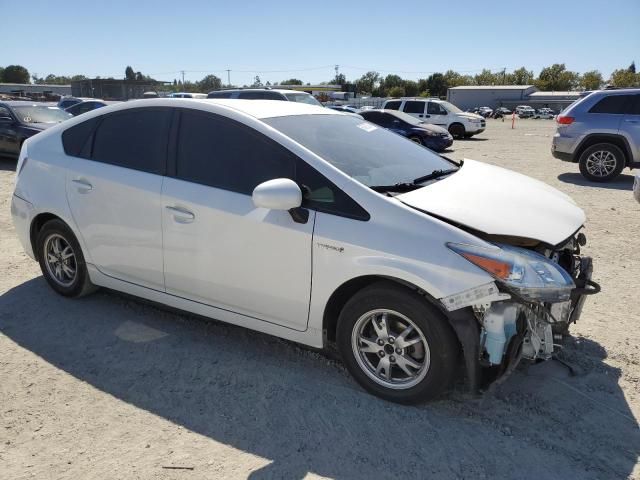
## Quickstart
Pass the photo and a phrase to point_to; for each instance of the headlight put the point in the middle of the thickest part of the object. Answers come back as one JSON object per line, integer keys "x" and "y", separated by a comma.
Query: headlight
{"x": 528, "y": 273}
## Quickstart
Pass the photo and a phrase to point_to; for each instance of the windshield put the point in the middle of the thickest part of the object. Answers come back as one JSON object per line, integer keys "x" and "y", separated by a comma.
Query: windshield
{"x": 40, "y": 114}
{"x": 368, "y": 153}
{"x": 450, "y": 107}
{"x": 302, "y": 98}
{"x": 405, "y": 117}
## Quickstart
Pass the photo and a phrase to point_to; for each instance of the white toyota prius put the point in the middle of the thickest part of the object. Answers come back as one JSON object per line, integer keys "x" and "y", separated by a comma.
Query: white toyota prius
{"x": 314, "y": 226}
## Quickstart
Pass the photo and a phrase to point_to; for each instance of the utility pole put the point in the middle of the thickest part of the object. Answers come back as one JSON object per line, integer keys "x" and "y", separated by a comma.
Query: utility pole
{"x": 504, "y": 74}
{"x": 182, "y": 72}
{"x": 337, "y": 68}
{"x": 228, "y": 77}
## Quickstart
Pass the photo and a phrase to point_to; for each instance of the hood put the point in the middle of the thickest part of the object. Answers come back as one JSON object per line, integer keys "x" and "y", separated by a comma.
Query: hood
{"x": 39, "y": 126}
{"x": 497, "y": 201}
{"x": 474, "y": 116}
{"x": 431, "y": 128}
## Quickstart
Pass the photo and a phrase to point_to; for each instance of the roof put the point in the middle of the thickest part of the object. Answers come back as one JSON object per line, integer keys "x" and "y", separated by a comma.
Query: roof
{"x": 555, "y": 94}
{"x": 259, "y": 109}
{"x": 492, "y": 87}
{"x": 26, "y": 103}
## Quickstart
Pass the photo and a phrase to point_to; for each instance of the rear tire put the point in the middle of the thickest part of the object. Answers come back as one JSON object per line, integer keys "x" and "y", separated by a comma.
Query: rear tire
{"x": 602, "y": 162}
{"x": 61, "y": 260}
{"x": 457, "y": 130}
{"x": 396, "y": 345}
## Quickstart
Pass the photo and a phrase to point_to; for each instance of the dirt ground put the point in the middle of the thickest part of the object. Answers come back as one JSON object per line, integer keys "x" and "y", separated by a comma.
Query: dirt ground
{"x": 108, "y": 387}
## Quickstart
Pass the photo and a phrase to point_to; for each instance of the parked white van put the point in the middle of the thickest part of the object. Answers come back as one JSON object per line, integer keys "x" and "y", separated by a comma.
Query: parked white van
{"x": 442, "y": 113}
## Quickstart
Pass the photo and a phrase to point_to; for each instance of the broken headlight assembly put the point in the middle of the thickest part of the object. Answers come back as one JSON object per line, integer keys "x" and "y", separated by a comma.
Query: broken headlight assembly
{"x": 530, "y": 275}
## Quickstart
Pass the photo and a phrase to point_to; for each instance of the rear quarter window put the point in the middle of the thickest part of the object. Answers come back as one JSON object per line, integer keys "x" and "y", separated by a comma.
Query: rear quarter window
{"x": 76, "y": 141}
{"x": 413, "y": 107}
{"x": 614, "y": 104}
{"x": 393, "y": 105}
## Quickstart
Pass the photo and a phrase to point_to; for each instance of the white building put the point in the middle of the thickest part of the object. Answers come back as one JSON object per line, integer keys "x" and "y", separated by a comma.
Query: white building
{"x": 510, "y": 96}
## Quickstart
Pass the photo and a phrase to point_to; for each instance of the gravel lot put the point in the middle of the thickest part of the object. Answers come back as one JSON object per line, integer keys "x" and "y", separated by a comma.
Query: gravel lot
{"x": 110, "y": 387}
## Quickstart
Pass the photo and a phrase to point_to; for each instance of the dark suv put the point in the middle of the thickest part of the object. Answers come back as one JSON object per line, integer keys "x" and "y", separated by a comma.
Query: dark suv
{"x": 601, "y": 132}
{"x": 265, "y": 94}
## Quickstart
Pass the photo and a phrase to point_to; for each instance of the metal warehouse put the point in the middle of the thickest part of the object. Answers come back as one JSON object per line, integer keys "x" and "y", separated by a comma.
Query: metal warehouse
{"x": 29, "y": 90}
{"x": 510, "y": 96}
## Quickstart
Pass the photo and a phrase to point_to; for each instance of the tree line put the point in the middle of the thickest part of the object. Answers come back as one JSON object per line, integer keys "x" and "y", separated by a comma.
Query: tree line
{"x": 553, "y": 78}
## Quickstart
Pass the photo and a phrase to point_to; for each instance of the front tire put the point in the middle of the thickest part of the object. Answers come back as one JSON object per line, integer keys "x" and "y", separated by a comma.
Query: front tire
{"x": 457, "y": 130}
{"x": 61, "y": 260}
{"x": 601, "y": 162}
{"x": 396, "y": 345}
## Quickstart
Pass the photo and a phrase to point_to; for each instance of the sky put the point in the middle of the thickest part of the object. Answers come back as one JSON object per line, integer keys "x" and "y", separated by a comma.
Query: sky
{"x": 278, "y": 40}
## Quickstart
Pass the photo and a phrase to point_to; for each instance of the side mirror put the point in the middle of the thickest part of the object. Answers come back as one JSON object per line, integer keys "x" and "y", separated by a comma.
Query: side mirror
{"x": 281, "y": 194}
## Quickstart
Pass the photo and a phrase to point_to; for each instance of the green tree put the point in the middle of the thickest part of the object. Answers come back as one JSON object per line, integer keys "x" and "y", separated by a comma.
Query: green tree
{"x": 208, "y": 83}
{"x": 625, "y": 78}
{"x": 454, "y": 79}
{"x": 129, "y": 74}
{"x": 291, "y": 81}
{"x": 411, "y": 88}
{"x": 339, "y": 79}
{"x": 1, "y": 74}
{"x": 437, "y": 85}
{"x": 15, "y": 74}
{"x": 632, "y": 67}
{"x": 487, "y": 77}
{"x": 367, "y": 82}
{"x": 391, "y": 81}
{"x": 397, "y": 91}
{"x": 557, "y": 77}
{"x": 77, "y": 78}
{"x": 521, "y": 76}
{"x": 591, "y": 80}
{"x": 256, "y": 81}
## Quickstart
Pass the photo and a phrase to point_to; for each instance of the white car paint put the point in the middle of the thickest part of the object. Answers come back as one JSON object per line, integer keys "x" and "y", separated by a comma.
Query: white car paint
{"x": 216, "y": 253}
{"x": 501, "y": 199}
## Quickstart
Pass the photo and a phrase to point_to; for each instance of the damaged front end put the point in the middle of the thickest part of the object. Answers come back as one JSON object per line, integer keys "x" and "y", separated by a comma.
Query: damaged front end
{"x": 537, "y": 293}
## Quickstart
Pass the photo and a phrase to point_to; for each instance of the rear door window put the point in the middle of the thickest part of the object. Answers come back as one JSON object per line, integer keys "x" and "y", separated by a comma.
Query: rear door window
{"x": 134, "y": 139}
{"x": 615, "y": 104}
{"x": 219, "y": 95}
{"x": 413, "y": 107}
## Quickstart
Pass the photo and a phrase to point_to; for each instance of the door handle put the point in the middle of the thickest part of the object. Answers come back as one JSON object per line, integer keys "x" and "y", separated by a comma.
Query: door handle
{"x": 181, "y": 215}
{"x": 421, "y": 116}
{"x": 82, "y": 185}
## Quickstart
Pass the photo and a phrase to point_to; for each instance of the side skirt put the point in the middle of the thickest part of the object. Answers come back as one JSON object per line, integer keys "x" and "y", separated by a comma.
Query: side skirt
{"x": 311, "y": 337}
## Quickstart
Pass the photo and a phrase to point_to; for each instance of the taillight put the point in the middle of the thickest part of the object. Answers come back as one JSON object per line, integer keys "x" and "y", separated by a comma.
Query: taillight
{"x": 564, "y": 120}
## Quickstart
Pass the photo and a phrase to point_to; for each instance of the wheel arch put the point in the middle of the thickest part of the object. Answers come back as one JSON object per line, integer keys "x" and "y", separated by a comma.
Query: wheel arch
{"x": 36, "y": 225}
{"x": 348, "y": 289}
{"x": 615, "y": 139}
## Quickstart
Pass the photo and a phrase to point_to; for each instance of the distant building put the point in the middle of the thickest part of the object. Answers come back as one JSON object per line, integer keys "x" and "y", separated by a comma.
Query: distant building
{"x": 34, "y": 91}
{"x": 114, "y": 89}
{"x": 510, "y": 96}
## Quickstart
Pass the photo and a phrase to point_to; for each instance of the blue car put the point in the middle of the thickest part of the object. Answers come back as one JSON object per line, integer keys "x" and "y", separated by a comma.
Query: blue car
{"x": 431, "y": 136}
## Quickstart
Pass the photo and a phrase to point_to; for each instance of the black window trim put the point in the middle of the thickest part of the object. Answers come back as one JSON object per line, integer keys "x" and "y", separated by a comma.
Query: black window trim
{"x": 172, "y": 161}
{"x": 606, "y": 97}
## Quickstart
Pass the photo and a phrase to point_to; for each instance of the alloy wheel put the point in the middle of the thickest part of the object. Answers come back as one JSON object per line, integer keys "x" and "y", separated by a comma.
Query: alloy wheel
{"x": 60, "y": 260}
{"x": 390, "y": 349}
{"x": 601, "y": 163}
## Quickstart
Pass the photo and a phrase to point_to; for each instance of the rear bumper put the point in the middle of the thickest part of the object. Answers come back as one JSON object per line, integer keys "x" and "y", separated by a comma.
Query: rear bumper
{"x": 22, "y": 213}
{"x": 564, "y": 156}
{"x": 438, "y": 143}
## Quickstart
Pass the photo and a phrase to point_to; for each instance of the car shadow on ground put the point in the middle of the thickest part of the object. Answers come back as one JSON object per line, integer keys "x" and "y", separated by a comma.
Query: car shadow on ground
{"x": 302, "y": 412}
{"x": 8, "y": 164}
{"x": 623, "y": 182}
{"x": 472, "y": 139}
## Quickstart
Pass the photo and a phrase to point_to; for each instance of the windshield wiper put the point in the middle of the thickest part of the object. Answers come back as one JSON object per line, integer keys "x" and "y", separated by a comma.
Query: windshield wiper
{"x": 433, "y": 175}
{"x": 415, "y": 184}
{"x": 397, "y": 187}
